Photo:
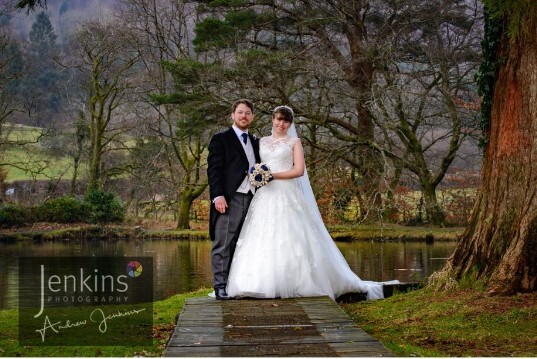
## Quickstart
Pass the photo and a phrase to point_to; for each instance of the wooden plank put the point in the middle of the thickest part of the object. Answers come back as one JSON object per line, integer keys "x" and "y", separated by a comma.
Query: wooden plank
{"x": 202, "y": 300}
{"x": 193, "y": 352}
{"x": 194, "y": 323}
{"x": 275, "y": 327}
{"x": 373, "y": 349}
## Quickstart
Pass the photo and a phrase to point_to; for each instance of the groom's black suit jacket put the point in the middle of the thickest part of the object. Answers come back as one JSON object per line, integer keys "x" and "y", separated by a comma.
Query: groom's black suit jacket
{"x": 227, "y": 167}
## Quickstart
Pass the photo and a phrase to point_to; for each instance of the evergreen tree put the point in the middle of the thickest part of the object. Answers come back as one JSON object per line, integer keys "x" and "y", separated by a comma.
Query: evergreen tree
{"x": 40, "y": 90}
{"x": 31, "y": 4}
{"x": 42, "y": 37}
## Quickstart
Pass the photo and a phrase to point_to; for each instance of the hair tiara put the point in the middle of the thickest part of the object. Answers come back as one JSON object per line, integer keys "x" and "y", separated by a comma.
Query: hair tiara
{"x": 283, "y": 107}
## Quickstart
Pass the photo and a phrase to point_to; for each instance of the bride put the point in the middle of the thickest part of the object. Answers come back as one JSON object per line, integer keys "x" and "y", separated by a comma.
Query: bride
{"x": 284, "y": 250}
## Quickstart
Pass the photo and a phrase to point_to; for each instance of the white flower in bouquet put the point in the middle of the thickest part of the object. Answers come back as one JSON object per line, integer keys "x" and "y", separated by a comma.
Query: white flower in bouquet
{"x": 259, "y": 175}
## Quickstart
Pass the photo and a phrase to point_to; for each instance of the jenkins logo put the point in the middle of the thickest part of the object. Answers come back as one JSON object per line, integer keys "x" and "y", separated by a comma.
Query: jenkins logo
{"x": 73, "y": 296}
{"x": 134, "y": 269}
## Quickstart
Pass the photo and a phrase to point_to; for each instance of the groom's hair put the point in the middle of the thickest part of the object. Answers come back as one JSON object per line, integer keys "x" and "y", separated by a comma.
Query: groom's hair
{"x": 243, "y": 102}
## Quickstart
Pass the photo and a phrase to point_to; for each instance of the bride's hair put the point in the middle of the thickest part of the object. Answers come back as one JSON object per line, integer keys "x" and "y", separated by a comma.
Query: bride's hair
{"x": 286, "y": 111}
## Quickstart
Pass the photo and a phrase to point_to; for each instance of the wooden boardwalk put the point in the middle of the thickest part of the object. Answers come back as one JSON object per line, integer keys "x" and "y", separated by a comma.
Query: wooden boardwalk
{"x": 269, "y": 327}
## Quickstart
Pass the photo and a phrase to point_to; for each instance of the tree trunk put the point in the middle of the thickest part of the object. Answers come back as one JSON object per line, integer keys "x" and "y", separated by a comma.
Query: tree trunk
{"x": 433, "y": 210}
{"x": 3, "y": 176}
{"x": 81, "y": 130}
{"x": 95, "y": 161}
{"x": 76, "y": 161}
{"x": 361, "y": 78}
{"x": 183, "y": 214}
{"x": 500, "y": 242}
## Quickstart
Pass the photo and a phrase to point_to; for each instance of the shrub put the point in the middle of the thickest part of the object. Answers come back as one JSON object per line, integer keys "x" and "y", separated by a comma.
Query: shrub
{"x": 105, "y": 206}
{"x": 12, "y": 215}
{"x": 65, "y": 209}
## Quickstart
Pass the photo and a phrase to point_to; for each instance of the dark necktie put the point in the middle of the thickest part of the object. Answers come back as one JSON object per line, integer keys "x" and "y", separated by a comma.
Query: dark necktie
{"x": 244, "y": 138}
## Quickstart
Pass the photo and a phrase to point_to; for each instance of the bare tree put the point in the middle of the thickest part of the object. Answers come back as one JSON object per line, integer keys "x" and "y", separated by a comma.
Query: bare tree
{"x": 10, "y": 70}
{"x": 108, "y": 66}
{"x": 159, "y": 31}
{"x": 331, "y": 33}
{"x": 339, "y": 64}
{"x": 425, "y": 100}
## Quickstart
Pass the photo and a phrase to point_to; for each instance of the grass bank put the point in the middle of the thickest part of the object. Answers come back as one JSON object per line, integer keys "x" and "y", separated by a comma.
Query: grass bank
{"x": 80, "y": 231}
{"x": 389, "y": 231}
{"x": 164, "y": 313}
{"x": 418, "y": 323}
{"x": 461, "y": 323}
{"x": 343, "y": 233}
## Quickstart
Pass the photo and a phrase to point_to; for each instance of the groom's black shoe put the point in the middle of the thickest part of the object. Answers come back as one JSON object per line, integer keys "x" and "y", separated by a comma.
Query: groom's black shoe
{"x": 221, "y": 294}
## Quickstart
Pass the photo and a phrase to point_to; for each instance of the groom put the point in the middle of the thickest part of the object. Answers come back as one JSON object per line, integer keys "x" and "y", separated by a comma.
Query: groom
{"x": 231, "y": 154}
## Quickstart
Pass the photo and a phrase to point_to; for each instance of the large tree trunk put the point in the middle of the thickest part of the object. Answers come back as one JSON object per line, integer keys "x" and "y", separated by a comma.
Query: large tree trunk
{"x": 434, "y": 211}
{"x": 371, "y": 165}
{"x": 500, "y": 242}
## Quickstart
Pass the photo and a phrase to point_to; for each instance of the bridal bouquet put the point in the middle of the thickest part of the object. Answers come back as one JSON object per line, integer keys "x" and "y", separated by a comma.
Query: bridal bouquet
{"x": 259, "y": 175}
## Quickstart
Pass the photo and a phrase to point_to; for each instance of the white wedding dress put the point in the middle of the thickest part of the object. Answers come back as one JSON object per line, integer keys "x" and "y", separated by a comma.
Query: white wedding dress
{"x": 284, "y": 250}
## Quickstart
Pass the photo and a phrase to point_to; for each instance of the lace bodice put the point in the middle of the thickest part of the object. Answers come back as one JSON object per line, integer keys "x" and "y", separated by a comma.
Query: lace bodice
{"x": 277, "y": 153}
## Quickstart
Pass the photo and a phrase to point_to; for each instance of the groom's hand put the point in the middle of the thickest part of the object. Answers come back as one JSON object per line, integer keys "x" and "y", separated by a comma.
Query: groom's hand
{"x": 220, "y": 204}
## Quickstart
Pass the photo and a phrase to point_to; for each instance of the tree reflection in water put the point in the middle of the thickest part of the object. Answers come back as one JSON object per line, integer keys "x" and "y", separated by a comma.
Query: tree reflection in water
{"x": 184, "y": 266}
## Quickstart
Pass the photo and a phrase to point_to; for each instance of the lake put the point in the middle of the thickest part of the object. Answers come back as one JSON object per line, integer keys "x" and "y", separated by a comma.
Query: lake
{"x": 184, "y": 266}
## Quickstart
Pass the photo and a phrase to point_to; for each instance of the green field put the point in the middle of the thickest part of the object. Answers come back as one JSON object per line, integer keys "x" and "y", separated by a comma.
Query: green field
{"x": 29, "y": 160}
{"x": 40, "y": 164}
{"x": 21, "y": 133}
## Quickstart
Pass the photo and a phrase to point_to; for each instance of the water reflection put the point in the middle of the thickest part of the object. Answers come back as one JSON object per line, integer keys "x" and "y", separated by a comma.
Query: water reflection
{"x": 403, "y": 261}
{"x": 183, "y": 266}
